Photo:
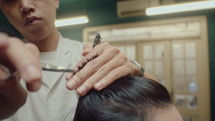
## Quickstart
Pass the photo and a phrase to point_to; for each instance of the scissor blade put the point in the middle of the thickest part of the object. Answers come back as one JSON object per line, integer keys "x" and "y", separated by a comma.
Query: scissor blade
{"x": 58, "y": 70}
{"x": 48, "y": 67}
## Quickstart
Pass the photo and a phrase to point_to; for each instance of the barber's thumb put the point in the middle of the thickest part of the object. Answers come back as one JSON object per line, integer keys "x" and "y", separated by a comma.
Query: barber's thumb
{"x": 32, "y": 75}
{"x": 3, "y": 42}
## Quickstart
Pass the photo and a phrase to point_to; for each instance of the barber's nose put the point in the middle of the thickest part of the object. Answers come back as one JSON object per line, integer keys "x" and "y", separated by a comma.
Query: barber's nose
{"x": 26, "y": 6}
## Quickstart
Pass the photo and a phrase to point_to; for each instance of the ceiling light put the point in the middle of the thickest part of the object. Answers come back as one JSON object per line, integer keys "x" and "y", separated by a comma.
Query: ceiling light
{"x": 71, "y": 21}
{"x": 177, "y": 8}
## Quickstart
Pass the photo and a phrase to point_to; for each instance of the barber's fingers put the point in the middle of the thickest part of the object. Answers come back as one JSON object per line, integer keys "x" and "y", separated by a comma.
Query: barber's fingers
{"x": 106, "y": 74}
{"x": 3, "y": 42}
{"x": 33, "y": 48}
{"x": 86, "y": 49}
{"x": 25, "y": 61}
{"x": 75, "y": 79}
{"x": 32, "y": 85}
{"x": 110, "y": 65}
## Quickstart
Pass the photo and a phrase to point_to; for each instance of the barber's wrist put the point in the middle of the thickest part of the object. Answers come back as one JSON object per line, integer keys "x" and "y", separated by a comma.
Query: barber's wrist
{"x": 141, "y": 69}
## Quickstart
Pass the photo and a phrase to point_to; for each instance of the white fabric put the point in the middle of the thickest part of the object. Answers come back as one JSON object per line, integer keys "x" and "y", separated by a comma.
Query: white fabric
{"x": 53, "y": 102}
{"x": 48, "y": 57}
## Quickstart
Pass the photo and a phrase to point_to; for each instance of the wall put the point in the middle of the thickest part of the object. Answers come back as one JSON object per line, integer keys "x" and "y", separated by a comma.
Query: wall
{"x": 104, "y": 13}
{"x": 211, "y": 34}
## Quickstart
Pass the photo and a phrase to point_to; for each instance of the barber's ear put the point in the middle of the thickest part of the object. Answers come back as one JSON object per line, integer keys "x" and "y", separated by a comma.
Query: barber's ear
{"x": 57, "y": 2}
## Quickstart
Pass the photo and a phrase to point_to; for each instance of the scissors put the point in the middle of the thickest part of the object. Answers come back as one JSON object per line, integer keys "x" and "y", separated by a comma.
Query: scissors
{"x": 6, "y": 74}
{"x": 48, "y": 67}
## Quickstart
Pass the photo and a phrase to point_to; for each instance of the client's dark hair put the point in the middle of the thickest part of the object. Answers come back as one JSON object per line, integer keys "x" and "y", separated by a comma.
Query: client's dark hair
{"x": 128, "y": 99}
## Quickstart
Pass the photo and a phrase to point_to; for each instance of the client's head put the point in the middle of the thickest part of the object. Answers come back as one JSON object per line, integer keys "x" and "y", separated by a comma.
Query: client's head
{"x": 128, "y": 99}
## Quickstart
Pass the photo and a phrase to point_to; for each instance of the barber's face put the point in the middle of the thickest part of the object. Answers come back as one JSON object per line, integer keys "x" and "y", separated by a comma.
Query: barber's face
{"x": 32, "y": 18}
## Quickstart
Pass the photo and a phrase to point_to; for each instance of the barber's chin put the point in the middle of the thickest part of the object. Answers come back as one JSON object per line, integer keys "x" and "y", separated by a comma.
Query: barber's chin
{"x": 33, "y": 38}
{"x": 34, "y": 31}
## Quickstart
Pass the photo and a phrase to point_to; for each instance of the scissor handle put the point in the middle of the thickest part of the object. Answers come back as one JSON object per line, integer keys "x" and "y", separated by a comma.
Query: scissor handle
{"x": 6, "y": 73}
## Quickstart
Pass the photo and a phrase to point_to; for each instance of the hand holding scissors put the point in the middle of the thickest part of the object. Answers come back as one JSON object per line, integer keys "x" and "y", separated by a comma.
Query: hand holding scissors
{"x": 17, "y": 58}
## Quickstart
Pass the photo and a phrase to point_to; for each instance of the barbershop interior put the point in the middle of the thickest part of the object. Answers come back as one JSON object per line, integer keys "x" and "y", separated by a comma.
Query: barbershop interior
{"x": 172, "y": 40}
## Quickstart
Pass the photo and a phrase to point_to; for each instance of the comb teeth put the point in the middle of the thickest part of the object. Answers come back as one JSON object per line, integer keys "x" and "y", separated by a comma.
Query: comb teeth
{"x": 83, "y": 64}
{"x": 97, "y": 40}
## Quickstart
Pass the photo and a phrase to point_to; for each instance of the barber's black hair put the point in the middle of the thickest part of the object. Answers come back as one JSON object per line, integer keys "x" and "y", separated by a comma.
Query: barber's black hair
{"x": 128, "y": 99}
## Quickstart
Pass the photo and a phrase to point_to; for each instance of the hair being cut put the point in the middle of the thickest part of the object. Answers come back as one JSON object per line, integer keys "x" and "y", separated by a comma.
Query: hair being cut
{"x": 128, "y": 99}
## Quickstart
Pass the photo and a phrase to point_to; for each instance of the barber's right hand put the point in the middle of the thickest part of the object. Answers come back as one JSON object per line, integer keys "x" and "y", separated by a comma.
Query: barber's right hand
{"x": 23, "y": 58}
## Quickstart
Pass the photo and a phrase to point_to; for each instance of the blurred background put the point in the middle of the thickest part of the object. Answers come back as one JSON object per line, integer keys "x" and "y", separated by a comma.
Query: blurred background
{"x": 175, "y": 47}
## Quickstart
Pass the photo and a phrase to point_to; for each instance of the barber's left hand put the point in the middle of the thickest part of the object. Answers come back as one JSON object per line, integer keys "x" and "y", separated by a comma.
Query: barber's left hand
{"x": 110, "y": 65}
